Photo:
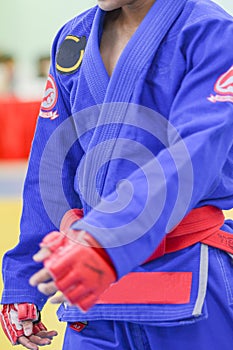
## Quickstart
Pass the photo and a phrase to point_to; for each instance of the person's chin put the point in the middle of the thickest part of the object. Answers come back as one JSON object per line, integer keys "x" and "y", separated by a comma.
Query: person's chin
{"x": 106, "y": 5}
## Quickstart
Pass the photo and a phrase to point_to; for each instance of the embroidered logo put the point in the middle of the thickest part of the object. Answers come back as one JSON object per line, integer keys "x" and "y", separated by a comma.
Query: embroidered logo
{"x": 78, "y": 326}
{"x": 49, "y": 115}
{"x": 223, "y": 88}
{"x": 70, "y": 54}
{"x": 226, "y": 240}
{"x": 49, "y": 100}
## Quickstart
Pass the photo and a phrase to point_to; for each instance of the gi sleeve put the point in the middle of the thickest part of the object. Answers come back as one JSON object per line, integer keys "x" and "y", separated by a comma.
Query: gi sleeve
{"x": 43, "y": 204}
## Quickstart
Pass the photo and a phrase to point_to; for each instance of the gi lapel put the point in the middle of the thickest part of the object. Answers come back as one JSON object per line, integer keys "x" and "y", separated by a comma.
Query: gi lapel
{"x": 93, "y": 67}
{"x": 138, "y": 54}
{"x": 139, "y": 51}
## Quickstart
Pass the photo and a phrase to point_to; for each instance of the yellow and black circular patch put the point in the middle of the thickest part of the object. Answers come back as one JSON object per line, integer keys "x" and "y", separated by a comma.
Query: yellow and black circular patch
{"x": 70, "y": 54}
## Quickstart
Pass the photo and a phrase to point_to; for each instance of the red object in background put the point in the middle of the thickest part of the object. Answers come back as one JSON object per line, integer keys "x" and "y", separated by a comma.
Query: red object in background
{"x": 17, "y": 126}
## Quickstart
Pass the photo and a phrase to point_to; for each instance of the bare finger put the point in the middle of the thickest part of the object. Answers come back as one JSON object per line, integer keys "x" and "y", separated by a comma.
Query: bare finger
{"x": 35, "y": 339}
{"x": 48, "y": 288}
{"x": 42, "y": 254}
{"x": 27, "y": 343}
{"x": 39, "y": 277}
{"x": 27, "y": 327}
{"x": 47, "y": 334}
{"x": 58, "y": 299}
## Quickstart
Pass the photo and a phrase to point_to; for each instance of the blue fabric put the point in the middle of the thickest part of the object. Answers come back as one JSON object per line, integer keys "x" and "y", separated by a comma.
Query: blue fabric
{"x": 183, "y": 68}
{"x": 215, "y": 331}
{"x": 167, "y": 314}
{"x": 172, "y": 88}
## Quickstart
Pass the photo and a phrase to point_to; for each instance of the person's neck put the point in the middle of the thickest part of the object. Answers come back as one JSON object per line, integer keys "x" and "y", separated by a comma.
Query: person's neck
{"x": 132, "y": 15}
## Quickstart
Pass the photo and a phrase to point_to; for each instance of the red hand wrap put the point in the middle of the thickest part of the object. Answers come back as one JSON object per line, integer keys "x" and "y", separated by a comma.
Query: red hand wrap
{"x": 69, "y": 218}
{"x": 27, "y": 311}
{"x": 55, "y": 239}
{"x": 12, "y": 316}
{"x": 38, "y": 327}
{"x": 81, "y": 269}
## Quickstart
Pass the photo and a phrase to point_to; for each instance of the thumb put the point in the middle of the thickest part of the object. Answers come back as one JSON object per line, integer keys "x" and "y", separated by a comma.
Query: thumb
{"x": 42, "y": 254}
{"x": 27, "y": 327}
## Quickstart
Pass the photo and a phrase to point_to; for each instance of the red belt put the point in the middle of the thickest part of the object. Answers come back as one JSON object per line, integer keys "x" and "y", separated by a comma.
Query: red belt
{"x": 200, "y": 225}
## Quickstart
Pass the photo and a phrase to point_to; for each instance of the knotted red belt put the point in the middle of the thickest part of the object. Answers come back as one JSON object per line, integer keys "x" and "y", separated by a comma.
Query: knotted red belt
{"x": 200, "y": 225}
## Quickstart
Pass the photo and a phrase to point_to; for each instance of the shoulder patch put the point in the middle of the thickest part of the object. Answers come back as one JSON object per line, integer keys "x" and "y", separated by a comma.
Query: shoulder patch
{"x": 49, "y": 100}
{"x": 70, "y": 54}
{"x": 223, "y": 88}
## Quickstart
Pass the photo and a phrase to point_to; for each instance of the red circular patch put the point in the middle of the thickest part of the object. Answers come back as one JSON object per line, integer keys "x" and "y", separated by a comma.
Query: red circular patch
{"x": 50, "y": 95}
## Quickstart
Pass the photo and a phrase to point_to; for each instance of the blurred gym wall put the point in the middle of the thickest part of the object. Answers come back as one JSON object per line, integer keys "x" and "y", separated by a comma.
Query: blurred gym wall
{"x": 27, "y": 29}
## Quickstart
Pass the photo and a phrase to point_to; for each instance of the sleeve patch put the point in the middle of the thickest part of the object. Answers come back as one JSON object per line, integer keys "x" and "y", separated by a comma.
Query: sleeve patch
{"x": 223, "y": 88}
{"x": 49, "y": 100}
{"x": 70, "y": 54}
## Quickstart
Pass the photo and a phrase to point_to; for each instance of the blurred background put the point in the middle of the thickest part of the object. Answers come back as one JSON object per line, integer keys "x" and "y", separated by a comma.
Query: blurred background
{"x": 27, "y": 29}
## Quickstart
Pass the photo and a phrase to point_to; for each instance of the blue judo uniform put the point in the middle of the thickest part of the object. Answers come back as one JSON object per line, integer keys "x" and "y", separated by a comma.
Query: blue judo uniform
{"x": 137, "y": 151}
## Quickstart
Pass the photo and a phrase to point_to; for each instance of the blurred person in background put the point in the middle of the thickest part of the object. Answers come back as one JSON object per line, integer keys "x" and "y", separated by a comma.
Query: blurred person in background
{"x": 152, "y": 268}
{"x": 43, "y": 65}
{"x": 7, "y": 75}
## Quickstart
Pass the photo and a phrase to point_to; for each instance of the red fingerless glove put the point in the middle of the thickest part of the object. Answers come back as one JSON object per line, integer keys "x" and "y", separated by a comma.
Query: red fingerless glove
{"x": 12, "y": 316}
{"x": 80, "y": 268}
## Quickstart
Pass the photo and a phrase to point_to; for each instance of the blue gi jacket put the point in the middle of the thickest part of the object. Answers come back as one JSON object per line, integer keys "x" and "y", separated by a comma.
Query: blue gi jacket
{"x": 137, "y": 150}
